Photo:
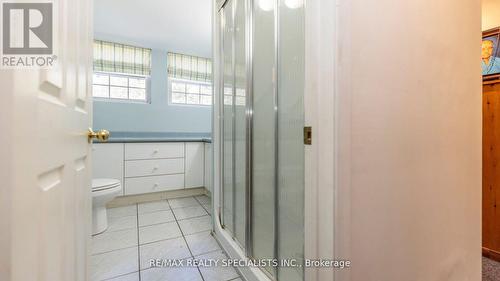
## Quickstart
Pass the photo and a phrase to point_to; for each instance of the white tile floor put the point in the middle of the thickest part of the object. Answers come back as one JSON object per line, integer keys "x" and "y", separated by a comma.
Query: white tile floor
{"x": 167, "y": 229}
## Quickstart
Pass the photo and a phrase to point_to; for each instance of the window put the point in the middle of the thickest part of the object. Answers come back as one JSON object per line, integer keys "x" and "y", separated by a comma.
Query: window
{"x": 190, "y": 79}
{"x": 121, "y": 72}
{"x": 190, "y": 92}
{"x": 119, "y": 86}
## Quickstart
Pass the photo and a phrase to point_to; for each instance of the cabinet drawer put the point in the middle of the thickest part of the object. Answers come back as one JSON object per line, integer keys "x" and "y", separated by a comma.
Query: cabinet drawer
{"x": 153, "y": 184}
{"x": 134, "y": 151}
{"x": 194, "y": 164}
{"x": 138, "y": 168}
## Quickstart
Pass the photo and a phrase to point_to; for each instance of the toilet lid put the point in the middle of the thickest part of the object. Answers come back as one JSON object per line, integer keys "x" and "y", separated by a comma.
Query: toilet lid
{"x": 102, "y": 184}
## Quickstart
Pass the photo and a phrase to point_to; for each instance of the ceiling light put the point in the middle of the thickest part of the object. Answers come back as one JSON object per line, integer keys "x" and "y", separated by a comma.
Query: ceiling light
{"x": 266, "y": 5}
{"x": 294, "y": 4}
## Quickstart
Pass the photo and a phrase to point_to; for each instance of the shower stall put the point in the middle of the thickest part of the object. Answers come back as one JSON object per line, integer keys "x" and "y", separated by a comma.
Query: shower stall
{"x": 259, "y": 132}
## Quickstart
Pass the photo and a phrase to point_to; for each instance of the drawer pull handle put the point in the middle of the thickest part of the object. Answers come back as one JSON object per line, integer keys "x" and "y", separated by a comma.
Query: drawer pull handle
{"x": 155, "y": 151}
{"x": 155, "y": 185}
{"x": 155, "y": 168}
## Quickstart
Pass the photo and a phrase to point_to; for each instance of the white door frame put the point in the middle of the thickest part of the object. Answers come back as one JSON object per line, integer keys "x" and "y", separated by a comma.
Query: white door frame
{"x": 327, "y": 210}
{"x": 6, "y": 139}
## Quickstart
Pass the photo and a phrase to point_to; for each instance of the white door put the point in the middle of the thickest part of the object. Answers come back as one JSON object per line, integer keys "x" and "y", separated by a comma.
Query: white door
{"x": 45, "y": 198}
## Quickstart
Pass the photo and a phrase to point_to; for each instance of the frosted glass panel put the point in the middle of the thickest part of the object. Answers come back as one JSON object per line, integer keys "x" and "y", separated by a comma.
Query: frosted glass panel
{"x": 228, "y": 121}
{"x": 277, "y": 148}
{"x": 239, "y": 119}
{"x": 264, "y": 129}
{"x": 290, "y": 138}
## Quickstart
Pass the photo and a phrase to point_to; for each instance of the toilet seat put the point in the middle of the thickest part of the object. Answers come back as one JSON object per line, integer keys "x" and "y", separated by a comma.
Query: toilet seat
{"x": 104, "y": 184}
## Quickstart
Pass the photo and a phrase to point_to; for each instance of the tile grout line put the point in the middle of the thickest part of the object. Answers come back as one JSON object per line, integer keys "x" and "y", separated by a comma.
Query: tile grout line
{"x": 209, "y": 213}
{"x": 196, "y": 200}
{"x": 196, "y": 217}
{"x": 138, "y": 238}
{"x": 175, "y": 218}
{"x": 137, "y": 214}
{"x": 116, "y": 230}
{"x": 147, "y": 243}
{"x": 199, "y": 200}
{"x": 187, "y": 245}
{"x": 106, "y": 252}
{"x": 138, "y": 241}
{"x": 203, "y": 206}
{"x": 162, "y": 240}
{"x": 210, "y": 252}
{"x": 238, "y": 271}
{"x": 121, "y": 275}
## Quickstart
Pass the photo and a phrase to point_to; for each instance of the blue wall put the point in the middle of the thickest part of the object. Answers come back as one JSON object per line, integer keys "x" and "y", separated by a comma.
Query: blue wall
{"x": 158, "y": 116}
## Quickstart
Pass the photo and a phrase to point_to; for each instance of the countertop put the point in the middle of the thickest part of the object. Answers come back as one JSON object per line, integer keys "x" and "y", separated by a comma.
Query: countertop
{"x": 158, "y": 137}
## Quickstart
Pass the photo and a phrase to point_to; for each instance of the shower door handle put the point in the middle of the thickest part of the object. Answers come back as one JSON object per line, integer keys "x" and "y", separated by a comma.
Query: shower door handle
{"x": 308, "y": 135}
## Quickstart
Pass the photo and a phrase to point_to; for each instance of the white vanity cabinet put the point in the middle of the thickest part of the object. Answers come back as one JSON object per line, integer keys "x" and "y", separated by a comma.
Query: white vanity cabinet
{"x": 107, "y": 161}
{"x": 152, "y": 167}
{"x": 208, "y": 167}
{"x": 195, "y": 162}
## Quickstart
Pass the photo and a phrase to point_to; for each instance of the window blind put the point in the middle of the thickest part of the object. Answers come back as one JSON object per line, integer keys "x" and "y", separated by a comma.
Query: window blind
{"x": 120, "y": 58}
{"x": 188, "y": 67}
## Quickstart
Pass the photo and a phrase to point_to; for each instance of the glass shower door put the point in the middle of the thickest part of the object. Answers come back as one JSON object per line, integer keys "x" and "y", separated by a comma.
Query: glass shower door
{"x": 234, "y": 119}
{"x": 264, "y": 144}
{"x": 240, "y": 101}
{"x": 278, "y": 144}
{"x": 291, "y": 71}
{"x": 228, "y": 118}
{"x": 262, "y": 124}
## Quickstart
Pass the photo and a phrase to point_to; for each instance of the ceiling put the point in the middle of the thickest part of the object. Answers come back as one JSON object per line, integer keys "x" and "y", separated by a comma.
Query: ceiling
{"x": 174, "y": 25}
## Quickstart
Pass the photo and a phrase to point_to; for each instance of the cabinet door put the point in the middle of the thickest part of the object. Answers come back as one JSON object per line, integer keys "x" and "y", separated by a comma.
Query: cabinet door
{"x": 208, "y": 167}
{"x": 194, "y": 164}
{"x": 491, "y": 170}
{"x": 107, "y": 161}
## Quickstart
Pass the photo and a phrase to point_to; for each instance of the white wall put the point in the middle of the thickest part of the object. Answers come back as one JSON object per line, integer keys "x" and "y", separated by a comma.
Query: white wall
{"x": 164, "y": 27}
{"x": 491, "y": 14}
{"x": 182, "y": 26}
{"x": 410, "y": 134}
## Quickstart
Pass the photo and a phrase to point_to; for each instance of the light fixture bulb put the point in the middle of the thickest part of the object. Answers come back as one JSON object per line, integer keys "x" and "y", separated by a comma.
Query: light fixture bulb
{"x": 266, "y": 5}
{"x": 294, "y": 4}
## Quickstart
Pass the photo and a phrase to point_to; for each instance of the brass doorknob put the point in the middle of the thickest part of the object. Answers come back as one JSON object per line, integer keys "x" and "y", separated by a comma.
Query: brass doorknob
{"x": 101, "y": 135}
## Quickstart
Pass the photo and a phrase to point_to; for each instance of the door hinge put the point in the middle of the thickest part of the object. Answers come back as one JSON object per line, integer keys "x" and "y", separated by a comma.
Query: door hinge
{"x": 308, "y": 135}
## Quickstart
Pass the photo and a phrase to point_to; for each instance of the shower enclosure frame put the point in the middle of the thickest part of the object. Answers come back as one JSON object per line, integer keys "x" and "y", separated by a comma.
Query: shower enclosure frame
{"x": 326, "y": 181}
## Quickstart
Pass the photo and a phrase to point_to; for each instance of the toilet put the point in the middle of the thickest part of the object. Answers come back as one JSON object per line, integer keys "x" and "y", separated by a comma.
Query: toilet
{"x": 103, "y": 191}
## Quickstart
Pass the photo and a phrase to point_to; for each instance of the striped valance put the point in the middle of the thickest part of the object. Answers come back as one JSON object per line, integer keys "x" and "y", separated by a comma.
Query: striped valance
{"x": 120, "y": 58}
{"x": 189, "y": 67}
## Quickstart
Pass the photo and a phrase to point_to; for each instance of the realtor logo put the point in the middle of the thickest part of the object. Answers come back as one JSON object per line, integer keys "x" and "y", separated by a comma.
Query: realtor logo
{"x": 27, "y": 28}
{"x": 27, "y": 34}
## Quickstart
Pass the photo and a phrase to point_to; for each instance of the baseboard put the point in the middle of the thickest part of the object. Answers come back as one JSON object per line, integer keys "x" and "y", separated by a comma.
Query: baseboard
{"x": 148, "y": 197}
{"x": 491, "y": 254}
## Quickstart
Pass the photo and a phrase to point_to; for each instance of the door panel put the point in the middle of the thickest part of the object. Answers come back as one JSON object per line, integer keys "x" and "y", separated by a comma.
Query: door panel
{"x": 491, "y": 171}
{"x": 234, "y": 109}
{"x": 240, "y": 84}
{"x": 264, "y": 134}
{"x": 274, "y": 120}
{"x": 290, "y": 138}
{"x": 228, "y": 113}
{"x": 50, "y": 196}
